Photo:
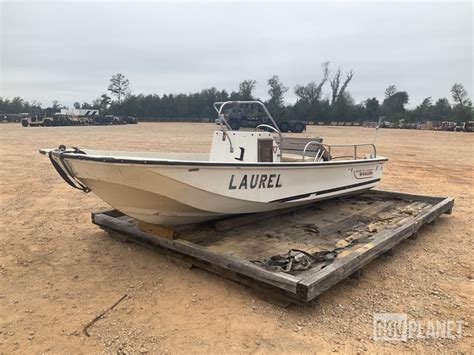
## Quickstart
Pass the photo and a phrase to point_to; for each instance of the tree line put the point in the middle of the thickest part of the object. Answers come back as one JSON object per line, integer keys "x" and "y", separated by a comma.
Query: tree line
{"x": 311, "y": 105}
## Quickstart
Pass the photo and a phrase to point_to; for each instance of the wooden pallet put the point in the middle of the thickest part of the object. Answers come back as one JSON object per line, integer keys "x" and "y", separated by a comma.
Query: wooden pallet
{"x": 230, "y": 247}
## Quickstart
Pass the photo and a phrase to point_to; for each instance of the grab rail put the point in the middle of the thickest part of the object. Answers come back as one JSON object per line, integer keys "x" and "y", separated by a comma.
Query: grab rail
{"x": 220, "y": 123}
{"x": 224, "y": 134}
{"x": 317, "y": 153}
{"x": 329, "y": 147}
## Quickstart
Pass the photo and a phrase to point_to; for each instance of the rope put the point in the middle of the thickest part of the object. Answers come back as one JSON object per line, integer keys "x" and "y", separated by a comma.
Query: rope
{"x": 64, "y": 170}
{"x": 299, "y": 260}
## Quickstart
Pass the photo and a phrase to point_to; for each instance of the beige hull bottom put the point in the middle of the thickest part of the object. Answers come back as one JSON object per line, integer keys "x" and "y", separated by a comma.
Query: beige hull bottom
{"x": 158, "y": 209}
{"x": 148, "y": 207}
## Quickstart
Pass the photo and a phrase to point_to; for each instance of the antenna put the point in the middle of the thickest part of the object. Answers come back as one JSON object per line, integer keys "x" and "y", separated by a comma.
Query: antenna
{"x": 379, "y": 123}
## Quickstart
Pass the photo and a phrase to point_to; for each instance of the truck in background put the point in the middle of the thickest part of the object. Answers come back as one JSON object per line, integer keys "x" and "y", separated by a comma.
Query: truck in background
{"x": 75, "y": 117}
{"x": 250, "y": 115}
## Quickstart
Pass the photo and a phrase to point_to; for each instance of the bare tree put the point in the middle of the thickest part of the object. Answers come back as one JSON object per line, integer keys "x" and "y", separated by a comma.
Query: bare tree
{"x": 335, "y": 82}
{"x": 102, "y": 103}
{"x": 119, "y": 86}
{"x": 427, "y": 102}
{"x": 276, "y": 92}
{"x": 246, "y": 88}
{"x": 460, "y": 95}
{"x": 390, "y": 91}
{"x": 312, "y": 92}
{"x": 56, "y": 106}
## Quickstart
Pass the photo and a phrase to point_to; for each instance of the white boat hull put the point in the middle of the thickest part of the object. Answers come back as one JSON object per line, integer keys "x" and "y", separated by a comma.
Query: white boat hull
{"x": 171, "y": 192}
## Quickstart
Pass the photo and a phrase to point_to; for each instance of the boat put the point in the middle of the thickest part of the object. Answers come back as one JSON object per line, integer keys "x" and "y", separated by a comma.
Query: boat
{"x": 244, "y": 172}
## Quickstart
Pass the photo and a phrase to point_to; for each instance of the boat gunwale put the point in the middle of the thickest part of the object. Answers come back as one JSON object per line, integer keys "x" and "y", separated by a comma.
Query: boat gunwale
{"x": 158, "y": 161}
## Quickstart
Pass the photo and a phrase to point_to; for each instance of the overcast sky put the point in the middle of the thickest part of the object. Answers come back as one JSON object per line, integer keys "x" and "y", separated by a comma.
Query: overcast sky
{"x": 68, "y": 52}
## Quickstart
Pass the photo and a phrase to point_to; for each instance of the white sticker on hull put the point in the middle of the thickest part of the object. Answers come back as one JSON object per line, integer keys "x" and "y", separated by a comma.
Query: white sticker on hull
{"x": 364, "y": 173}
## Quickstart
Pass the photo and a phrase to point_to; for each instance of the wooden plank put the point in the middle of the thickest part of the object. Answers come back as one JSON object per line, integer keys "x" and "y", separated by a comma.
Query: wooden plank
{"x": 408, "y": 196}
{"x": 127, "y": 219}
{"x": 243, "y": 220}
{"x": 111, "y": 213}
{"x": 268, "y": 291}
{"x": 314, "y": 284}
{"x": 158, "y": 230}
{"x": 279, "y": 279}
{"x": 346, "y": 223}
{"x": 271, "y": 246}
{"x": 306, "y": 285}
{"x": 329, "y": 232}
{"x": 255, "y": 242}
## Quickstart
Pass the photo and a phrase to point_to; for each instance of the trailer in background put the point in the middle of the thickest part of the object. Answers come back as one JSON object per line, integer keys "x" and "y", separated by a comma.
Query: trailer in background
{"x": 66, "y": 118}
{"x": 250, "y": 115}
{"x": 468, "y": 126}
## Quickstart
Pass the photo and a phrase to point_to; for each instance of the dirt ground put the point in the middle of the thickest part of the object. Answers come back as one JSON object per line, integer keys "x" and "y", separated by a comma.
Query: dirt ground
{"x": 58, "y": 270}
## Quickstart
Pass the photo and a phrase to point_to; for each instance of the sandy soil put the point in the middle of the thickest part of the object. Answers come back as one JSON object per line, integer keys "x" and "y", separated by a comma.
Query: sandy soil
{"x": 57, "y": 270}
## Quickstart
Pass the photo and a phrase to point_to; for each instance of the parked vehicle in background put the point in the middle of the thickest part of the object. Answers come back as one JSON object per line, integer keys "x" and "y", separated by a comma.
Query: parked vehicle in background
{"x": 49, "y": 121}
{"x": 12, "y": 117}
{"x": 425, "y": 125}
{"x": 447, "y": 126}
{"x": 468, "y": 126}
{"x": 107, "y": 120}
{"x": 251, "y": 115}
{"x": 131, "y": 120}
{"x": 402, "y": 124}
{"x": 388, "y": 124}
{"x": 75, "y": 117}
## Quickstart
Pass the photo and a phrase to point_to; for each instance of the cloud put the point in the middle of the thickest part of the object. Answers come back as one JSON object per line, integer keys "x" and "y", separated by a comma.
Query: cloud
{"x": 68, "y": 52}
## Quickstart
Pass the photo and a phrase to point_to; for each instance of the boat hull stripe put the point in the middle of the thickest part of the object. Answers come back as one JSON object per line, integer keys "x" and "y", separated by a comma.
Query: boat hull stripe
{"x": 323, "y": 192}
